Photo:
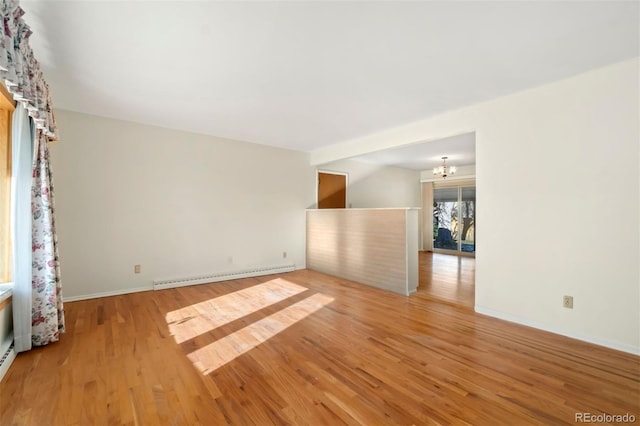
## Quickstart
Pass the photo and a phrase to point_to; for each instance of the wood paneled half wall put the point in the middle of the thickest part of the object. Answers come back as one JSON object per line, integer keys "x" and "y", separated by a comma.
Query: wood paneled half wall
{"x": 377, "y": 247}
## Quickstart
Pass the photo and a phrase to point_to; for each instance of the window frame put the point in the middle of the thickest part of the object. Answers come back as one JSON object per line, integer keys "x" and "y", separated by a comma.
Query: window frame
{"x": 7, "y": 106}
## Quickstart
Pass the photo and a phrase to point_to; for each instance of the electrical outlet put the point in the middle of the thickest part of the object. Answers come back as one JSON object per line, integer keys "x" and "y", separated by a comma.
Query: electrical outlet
{"x": 230, "y": 259}
{"x": 567, "y": 302}
{"x": 136, "y": 269}
{"x": 284, "y": 254}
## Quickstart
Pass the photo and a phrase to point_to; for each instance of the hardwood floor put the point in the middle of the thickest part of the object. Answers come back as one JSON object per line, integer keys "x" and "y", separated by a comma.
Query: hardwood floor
{"x": 447, "y": 278}
{"x": 307, "y": 348}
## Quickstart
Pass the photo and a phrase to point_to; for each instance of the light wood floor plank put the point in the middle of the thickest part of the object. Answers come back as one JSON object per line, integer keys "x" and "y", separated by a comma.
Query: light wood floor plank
{"x": 312, "y": 349}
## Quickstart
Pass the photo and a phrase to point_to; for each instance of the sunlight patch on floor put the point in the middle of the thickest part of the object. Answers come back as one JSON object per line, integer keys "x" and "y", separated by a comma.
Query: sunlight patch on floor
{"x": 193, "y": 320}
{"x": 213, "y": 356}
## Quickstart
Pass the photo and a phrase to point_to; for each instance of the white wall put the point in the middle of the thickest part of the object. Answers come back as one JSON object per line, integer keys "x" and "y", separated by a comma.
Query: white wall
{"x": 176, "y": 203}
{"x": 373, "y": 186}
{"x": 551, "y": 222}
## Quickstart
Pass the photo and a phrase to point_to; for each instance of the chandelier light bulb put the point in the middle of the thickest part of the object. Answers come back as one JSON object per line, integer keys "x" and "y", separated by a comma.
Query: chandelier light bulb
{"x": 444, "y": 170}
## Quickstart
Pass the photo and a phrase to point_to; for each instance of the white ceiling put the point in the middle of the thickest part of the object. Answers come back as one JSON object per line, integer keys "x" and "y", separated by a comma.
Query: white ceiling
{"x": 460, "y": 150}
{"x": 305, "y": 75}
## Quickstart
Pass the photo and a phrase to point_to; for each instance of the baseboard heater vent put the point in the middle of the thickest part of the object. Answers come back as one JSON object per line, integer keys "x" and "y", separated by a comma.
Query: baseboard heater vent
{"x": 222, "y": 276}
{"x": 7, "y": 359}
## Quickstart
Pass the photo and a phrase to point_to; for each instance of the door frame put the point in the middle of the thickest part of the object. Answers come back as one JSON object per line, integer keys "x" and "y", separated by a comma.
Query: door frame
{"x": 458, "y": 251}
{"x": 346, "y": 182}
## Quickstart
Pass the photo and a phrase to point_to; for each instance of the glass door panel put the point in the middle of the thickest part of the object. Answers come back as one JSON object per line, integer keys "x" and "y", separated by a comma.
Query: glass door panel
{"x": 445, "y": 218}
{"x": 468, "y": 214}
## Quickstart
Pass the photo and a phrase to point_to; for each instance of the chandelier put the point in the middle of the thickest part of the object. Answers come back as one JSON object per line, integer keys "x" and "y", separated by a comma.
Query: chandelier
{"x": 444, "y": 170}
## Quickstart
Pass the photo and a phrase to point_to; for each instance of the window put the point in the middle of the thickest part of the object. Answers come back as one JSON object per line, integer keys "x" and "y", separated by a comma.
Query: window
{"x": 6, "y": 108}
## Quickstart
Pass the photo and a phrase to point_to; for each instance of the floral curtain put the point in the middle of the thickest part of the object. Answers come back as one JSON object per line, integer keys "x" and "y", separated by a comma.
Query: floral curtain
{"x": 47, "y": 318}
{"x": 21, "y": 71}
{"x": 23, "y": 78}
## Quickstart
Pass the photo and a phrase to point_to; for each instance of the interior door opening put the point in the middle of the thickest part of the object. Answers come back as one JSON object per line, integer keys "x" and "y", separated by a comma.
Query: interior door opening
{"x": 447, "y": 273}
{"x": 454, "y": 223}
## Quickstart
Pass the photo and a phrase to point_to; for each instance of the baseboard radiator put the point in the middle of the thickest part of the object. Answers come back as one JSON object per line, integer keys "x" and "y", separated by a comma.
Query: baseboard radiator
{"x": 222, "y": 276}
{"x": 7, "y": 352}
{"x": 5, "y": 361}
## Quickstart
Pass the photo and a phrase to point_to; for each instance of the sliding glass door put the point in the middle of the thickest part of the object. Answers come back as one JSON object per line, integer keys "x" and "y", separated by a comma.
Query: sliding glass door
{"x": 445, "y": 218}
{"x": 468, "y": 214}
{"x": 454, "y": 219}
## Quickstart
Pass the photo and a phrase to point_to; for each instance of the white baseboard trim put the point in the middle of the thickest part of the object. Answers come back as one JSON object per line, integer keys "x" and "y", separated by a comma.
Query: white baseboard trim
{"x": 105, "y": 294}
{"x": 579, "y": 336}
{"x": 228, "y": 276}
{"x": 221, "y": 276}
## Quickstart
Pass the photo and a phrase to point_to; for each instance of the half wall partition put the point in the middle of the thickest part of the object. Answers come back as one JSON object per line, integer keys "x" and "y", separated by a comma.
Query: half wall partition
{"x": 377, "y": 247}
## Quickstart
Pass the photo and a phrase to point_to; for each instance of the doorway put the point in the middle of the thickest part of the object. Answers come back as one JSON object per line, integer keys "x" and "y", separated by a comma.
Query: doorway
{"x": 447, "y": 271}
{"x": 447, "y": 278}
{"x": 454, "y": 220}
